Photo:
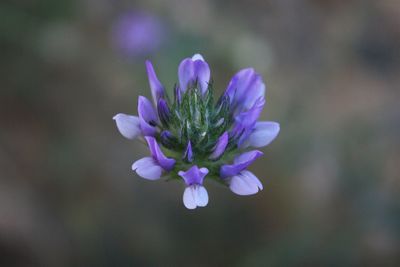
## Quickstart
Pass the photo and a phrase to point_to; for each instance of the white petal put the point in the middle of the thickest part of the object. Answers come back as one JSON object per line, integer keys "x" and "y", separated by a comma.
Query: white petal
{"x": 147, "y": 168}
{"x": 189, "y": 198}
{"x": 239, "y": 186}
{"x": 263, "y": 134}
{"x": 127, "y": 125}
{"x": 245, "y": 183}
{"x": 197, "y": 57}
{"x": 201, "y": 195}
{"x": 251, "y": 177}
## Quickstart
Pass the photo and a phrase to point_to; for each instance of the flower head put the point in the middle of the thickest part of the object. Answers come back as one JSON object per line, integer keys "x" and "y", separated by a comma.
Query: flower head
{"x": 194, "y": 138}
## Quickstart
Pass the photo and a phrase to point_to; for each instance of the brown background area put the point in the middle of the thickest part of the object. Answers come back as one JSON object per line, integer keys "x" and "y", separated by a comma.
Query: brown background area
{"x": 331, "y": 178}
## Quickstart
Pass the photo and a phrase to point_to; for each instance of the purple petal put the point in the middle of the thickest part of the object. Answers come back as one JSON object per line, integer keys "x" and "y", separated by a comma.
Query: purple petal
{"x": 240, "y": 163}
{"x": 185, "y": 73}
{"x": 155, "y": 150}
{"x": 220, "y": 146}
{"x": 147, "y": 168}
{"x": 202, "y": 74}
{"x": 194, "y": 175}
{"x": 248, "y": 157}
{"x": 245, "y": 88}
{"x": 195, "y": 196}
{"x": 245, "y": 183}
{"x": 194, "y": 69}
{"x": 148, "y": 117}
{"x": 263, "y": 134}
{"x": 157, "y": 89}
{"x": 163, "y": 110}
{"x": 128, "y": 126}
{"x": 245, "y": 121}
{"x": 146, "y": 110}
{"x": 248, "y": 118}
{"x": 188, "y": 156}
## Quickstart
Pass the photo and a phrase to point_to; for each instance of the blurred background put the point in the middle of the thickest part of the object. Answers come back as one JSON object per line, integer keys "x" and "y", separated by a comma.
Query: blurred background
{"x": 331, "y": 179}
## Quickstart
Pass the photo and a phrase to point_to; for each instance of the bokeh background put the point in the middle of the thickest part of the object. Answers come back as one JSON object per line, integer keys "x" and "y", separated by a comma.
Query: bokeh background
{"x": 331, "y": 178}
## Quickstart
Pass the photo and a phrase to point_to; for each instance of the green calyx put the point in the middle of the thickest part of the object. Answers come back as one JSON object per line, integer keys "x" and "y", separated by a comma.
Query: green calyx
{"x": 194, "y": 117}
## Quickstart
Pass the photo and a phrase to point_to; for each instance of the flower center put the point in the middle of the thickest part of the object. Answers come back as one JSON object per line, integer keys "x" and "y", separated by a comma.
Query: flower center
{"x": 195, "y": 118}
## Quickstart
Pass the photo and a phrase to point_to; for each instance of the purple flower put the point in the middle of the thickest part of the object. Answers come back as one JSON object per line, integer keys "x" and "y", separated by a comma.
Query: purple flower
{"x": 147, "y": 117}
{"x": 245, "y": 121}
{"x": 195, "y": 194}
{"x": 245, "y": 88}
{"x": 192, "y": 70}
{"x": 136, "y": 34}
{"x": 193, "y": 137}
{"x": 152, "y": 167}
{"x": 166, "y": 163}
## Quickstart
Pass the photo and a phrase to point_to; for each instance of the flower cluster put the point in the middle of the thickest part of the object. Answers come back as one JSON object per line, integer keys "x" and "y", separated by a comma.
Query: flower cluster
{"x": 192, "y": 137}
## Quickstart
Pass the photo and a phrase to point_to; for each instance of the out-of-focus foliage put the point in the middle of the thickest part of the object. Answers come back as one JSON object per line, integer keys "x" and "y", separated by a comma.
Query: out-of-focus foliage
{"x": 332, "y": 177}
